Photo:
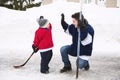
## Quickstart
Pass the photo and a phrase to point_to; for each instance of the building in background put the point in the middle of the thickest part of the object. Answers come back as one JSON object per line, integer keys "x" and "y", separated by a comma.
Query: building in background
{"x": 102, "y": 3}
{"x": 45, "y": 2}
{"x": 109, "y": 3}
{"x": 118, "y": 3}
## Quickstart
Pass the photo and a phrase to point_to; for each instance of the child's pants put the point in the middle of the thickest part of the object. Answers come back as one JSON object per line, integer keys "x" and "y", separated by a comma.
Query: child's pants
{"x": 45, "y": 59}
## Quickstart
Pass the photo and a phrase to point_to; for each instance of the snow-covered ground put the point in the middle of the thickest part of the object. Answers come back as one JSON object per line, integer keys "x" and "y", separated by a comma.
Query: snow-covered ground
{"x": 17, "y": 33}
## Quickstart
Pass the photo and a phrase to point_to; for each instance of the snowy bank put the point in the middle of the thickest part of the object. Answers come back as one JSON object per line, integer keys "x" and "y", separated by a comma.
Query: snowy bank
{"x": 17, "y": 32}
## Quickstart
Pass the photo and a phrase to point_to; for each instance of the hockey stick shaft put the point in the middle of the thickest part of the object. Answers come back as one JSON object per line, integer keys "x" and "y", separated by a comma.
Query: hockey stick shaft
{"x": 79, "y": 40}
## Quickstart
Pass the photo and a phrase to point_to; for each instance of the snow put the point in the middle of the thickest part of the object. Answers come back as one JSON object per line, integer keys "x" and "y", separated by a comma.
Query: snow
{"x": 17, "y": 33}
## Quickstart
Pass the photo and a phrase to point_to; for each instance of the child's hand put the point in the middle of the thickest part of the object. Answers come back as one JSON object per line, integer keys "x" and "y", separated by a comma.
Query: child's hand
{"x": 35, "y": 49}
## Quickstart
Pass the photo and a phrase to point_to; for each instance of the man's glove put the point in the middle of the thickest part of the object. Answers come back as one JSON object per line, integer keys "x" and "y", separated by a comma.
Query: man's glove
{"x": 35, "y": 49}
{"x": 62, "y": 17}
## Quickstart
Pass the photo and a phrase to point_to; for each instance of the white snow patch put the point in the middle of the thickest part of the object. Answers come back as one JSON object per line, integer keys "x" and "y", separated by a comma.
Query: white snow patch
{"x": 17, "y": 33}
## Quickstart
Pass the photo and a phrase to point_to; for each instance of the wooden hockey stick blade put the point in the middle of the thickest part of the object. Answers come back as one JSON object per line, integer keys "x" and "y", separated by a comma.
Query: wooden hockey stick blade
{"x": 19, "y": 66}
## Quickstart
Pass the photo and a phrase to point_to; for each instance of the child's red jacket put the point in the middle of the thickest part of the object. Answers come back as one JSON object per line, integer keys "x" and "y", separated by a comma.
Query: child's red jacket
{"x": 43, "y": 38}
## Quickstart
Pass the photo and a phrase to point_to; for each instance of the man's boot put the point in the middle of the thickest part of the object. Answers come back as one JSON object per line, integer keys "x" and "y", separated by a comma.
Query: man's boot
{"x": 65, "y": 69}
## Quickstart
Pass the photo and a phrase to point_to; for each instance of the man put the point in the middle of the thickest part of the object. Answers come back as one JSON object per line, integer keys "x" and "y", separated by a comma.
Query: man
{"x": 86, "y": 44}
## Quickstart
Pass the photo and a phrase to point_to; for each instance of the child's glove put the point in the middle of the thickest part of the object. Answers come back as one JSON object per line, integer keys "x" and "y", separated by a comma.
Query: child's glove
{"x": 35, "y": 49}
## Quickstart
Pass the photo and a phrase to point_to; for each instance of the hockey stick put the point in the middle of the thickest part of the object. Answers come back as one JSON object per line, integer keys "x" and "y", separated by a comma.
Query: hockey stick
{"x": 19, "y": 66}
{"x": 79, "y": 40}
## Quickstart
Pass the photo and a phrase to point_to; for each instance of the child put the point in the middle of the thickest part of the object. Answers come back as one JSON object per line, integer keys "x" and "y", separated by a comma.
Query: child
{"x": 43, "y": 42}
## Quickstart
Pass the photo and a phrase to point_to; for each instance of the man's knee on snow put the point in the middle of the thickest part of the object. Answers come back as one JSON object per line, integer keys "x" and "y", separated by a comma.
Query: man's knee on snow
{"x": 82, "y": 64}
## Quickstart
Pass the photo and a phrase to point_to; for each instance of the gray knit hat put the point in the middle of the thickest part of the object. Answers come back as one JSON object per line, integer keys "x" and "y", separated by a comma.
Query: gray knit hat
{"x": 43, "y": 23}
